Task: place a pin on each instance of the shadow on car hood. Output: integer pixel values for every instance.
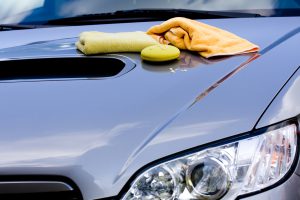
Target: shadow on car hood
(99, 132)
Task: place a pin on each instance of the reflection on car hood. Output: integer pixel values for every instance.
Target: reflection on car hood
(99, 132)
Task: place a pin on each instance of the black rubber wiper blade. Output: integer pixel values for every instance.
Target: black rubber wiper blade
(146, 15)
(9, 27)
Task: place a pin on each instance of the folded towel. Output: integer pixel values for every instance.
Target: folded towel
(98, 42)
(209, 41)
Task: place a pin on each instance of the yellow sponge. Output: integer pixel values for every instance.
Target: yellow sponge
(98, 42)
(160, 53)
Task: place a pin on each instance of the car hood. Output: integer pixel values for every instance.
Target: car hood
(99, 132)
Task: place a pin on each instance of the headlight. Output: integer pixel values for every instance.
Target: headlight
(226, 171)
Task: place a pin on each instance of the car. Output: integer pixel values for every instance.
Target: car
(112, 126)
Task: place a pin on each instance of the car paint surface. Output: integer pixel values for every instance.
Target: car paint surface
(100, 132)
(286, 105)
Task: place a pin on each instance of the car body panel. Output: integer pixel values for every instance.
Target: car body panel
(80, 129)
(286, 105)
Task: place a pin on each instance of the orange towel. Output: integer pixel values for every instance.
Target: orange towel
(192, 35)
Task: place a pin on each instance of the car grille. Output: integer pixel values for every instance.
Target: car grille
(43, 196)
(38, 188)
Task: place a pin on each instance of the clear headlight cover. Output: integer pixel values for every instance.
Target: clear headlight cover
(223, 172)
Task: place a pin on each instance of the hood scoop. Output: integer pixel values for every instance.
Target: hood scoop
(72, 67)
(58, 60)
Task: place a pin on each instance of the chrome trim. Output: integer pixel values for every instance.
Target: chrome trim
(17, 187)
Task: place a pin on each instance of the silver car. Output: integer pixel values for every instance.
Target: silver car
(113, 127)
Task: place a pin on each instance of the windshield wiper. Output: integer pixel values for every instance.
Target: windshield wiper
(146, 15)
(9, 27)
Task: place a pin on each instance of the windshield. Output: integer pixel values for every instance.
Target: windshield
(41, 11)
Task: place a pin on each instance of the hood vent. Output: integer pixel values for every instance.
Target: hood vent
(95, 67)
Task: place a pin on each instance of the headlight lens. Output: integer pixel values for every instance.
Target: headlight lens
(226, 171)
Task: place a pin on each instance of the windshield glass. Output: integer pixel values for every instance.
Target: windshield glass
(40, 11)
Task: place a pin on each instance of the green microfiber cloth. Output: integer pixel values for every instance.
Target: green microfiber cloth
(98, 42)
